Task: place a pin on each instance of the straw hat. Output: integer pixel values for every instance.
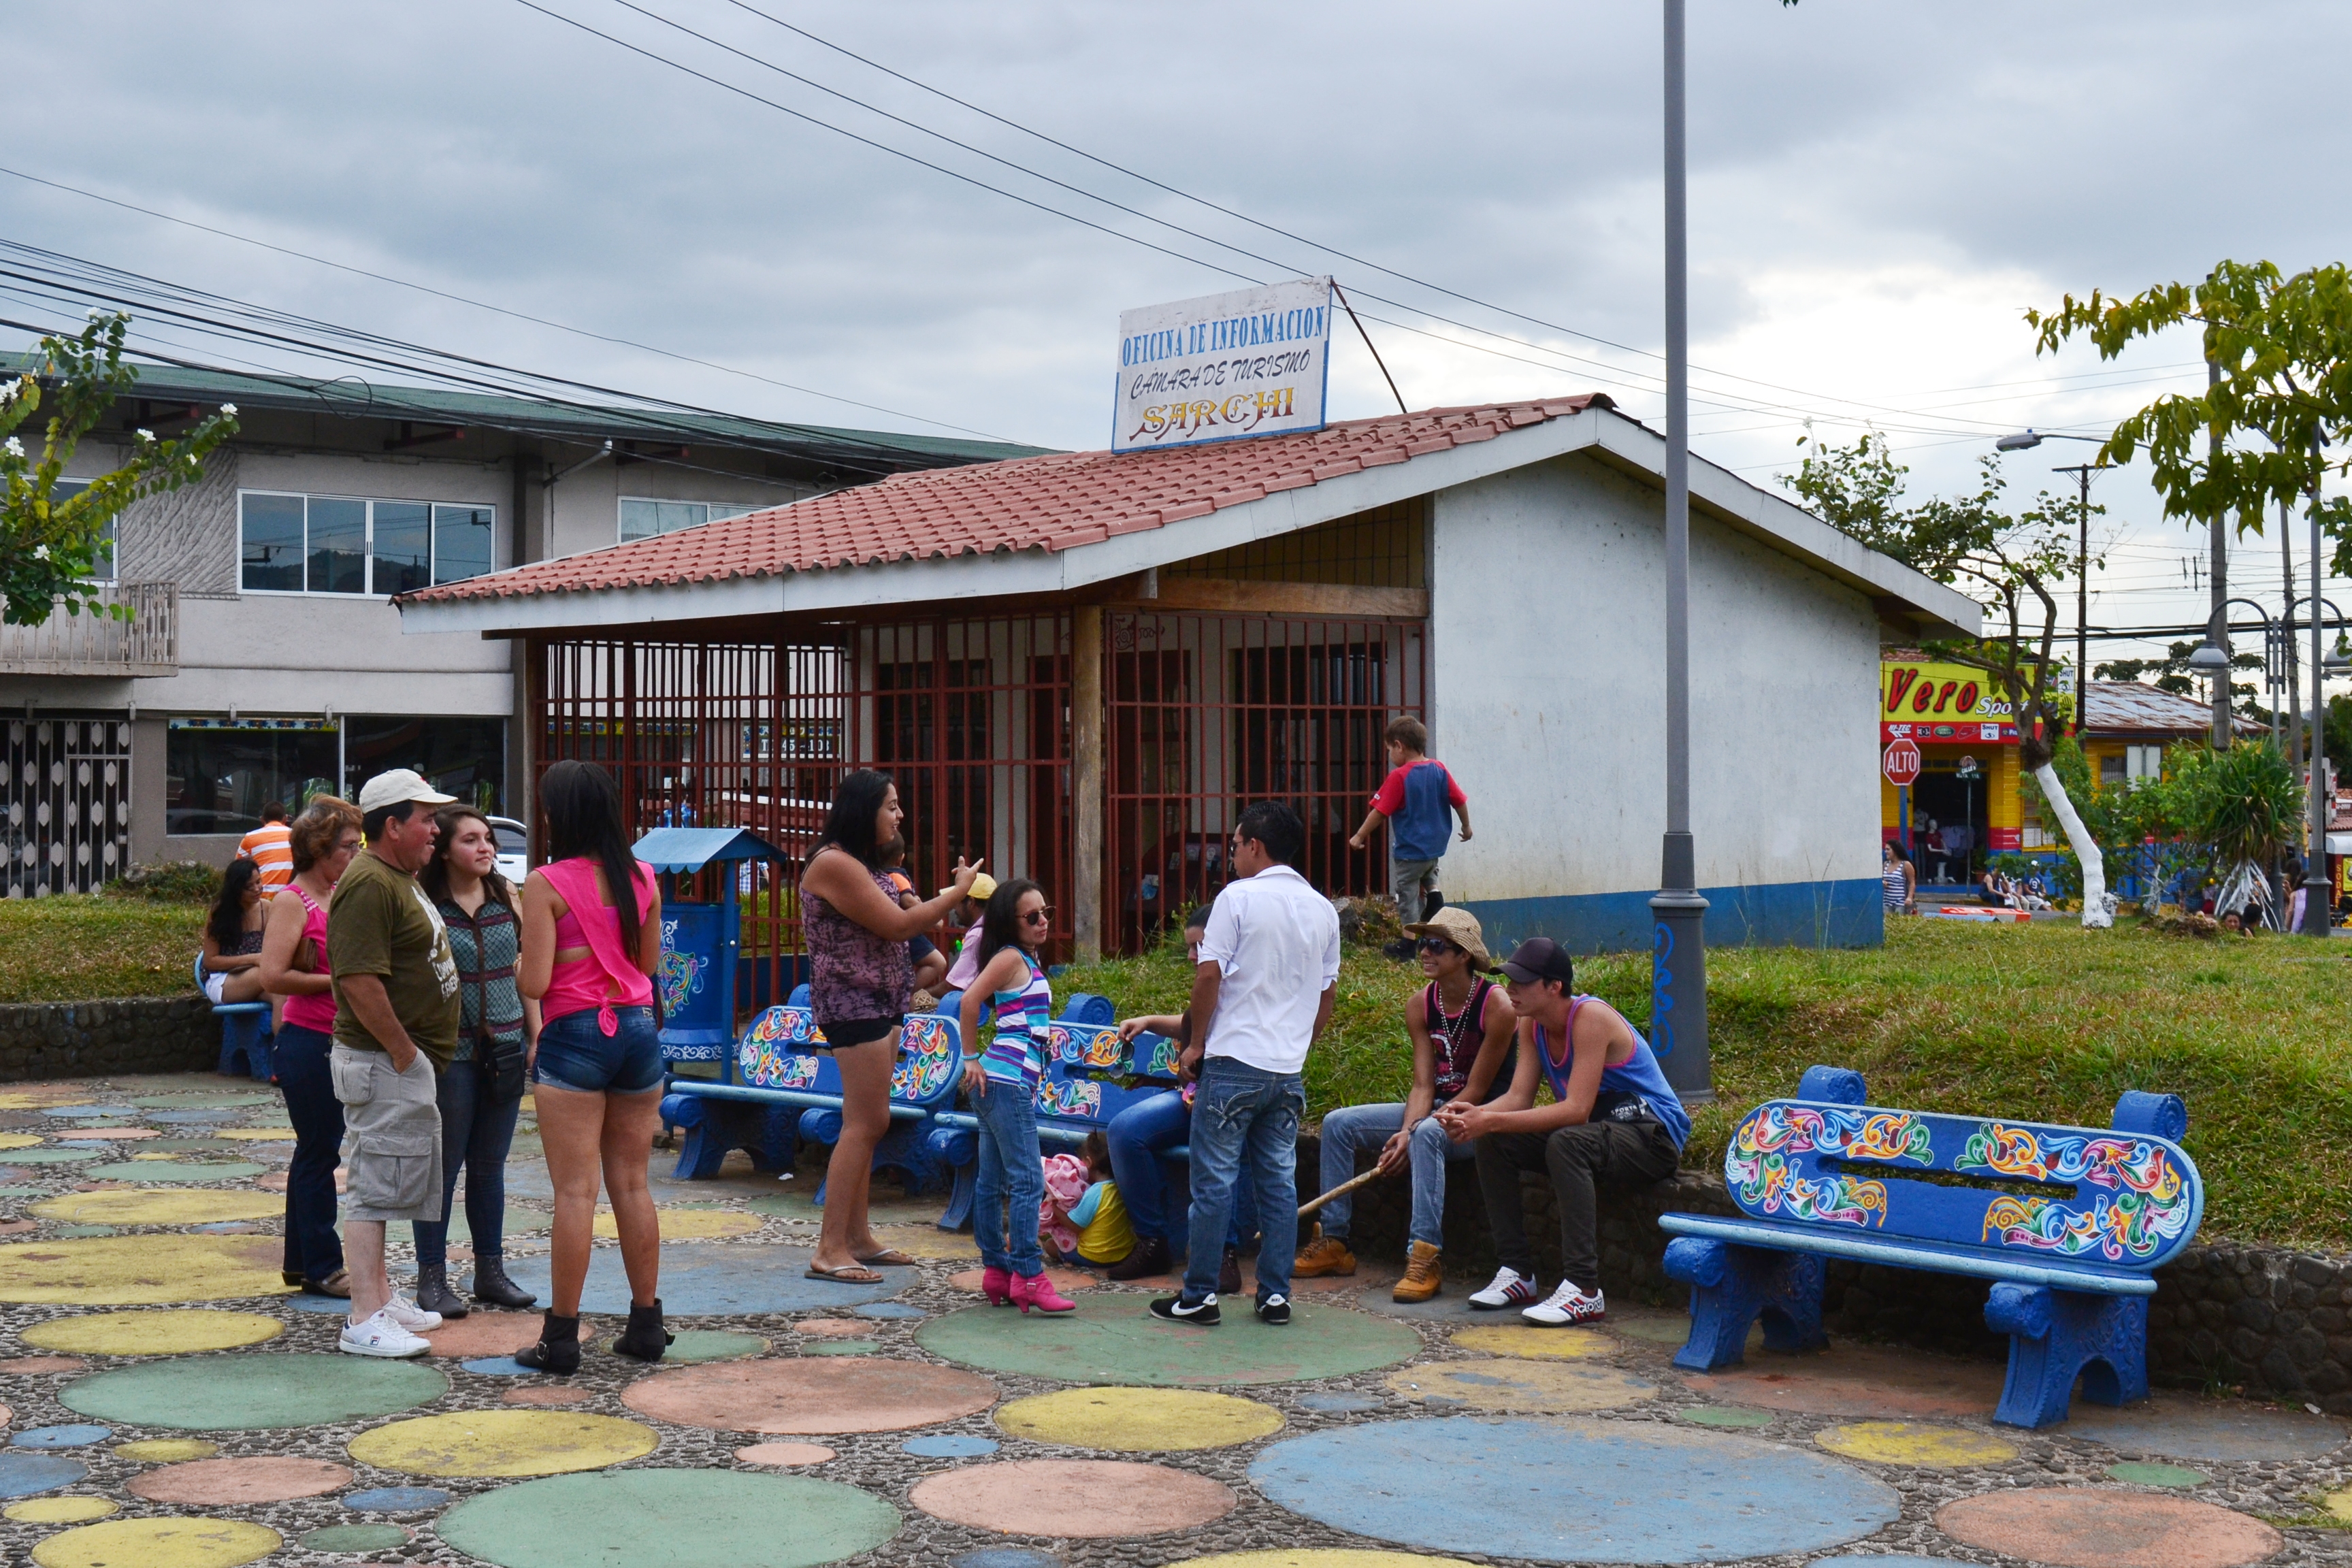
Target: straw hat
(1458, 926)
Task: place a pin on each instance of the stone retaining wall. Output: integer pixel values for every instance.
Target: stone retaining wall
(72, 1039)
(2267, 1321)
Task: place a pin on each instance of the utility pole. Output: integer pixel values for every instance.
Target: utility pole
(2218, 633)
(1678, 950)
(2315, 912)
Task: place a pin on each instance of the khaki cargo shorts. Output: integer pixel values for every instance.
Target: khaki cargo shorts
(391, 1136)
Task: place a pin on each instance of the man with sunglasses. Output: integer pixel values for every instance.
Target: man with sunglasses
(1460, 1024)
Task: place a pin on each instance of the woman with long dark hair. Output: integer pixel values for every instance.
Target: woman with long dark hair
(233, 935)
(294, 965)
(481, 1092)
(859, 978)
(591, 943)
(1002, 1083)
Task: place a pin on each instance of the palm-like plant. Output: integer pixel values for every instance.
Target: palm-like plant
(2243, 804)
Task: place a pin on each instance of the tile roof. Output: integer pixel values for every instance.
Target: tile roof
(1053, 502)
(2128, 705)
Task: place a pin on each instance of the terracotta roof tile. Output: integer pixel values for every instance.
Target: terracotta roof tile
(1056, 501)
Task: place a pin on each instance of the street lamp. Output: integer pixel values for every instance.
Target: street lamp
(2025, 441)
(2211, 660)
(2324, 663)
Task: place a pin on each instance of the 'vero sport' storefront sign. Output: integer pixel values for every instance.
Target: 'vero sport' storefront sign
(1922, 701)
(1256, 362)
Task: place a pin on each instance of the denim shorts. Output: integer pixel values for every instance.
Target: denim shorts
(573, 1053)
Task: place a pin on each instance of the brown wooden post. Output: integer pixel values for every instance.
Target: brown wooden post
(1087, 870)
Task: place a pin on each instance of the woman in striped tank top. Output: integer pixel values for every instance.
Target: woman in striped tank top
(1001, 1081)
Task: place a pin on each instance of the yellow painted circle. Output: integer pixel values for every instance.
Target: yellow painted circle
(1138, 1420)
(1534, 1344)
(504, 1443)
(1915, 1443)
(167, 1450)
(264, 1134)
(2340, 1504)
(143, 1270)
(928, 1241)
(59, 1510)
(690, 1225)
(1320, 1557)
(153, 1333)
(18, 1140)
(159, 1543)
(160, 1206)
(1539, 1387)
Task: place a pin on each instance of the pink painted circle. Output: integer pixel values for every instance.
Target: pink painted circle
(1859, 1381)
(785, 1454)
(837, 1328)
(547, 1394)
(225, 1482)
(1063, 1279)
(36, 1365)
(810, 1398)
(479, 1333)
(2094, 1526)
(1091, 1499)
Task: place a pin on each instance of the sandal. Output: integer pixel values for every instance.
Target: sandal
(338, 1284)
(847, 1273)
(890, 1257)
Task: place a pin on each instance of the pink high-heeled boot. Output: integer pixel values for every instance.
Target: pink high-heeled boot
(996, 1284)
(1037, 1290)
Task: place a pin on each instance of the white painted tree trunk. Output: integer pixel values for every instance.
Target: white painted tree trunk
(2098, 909)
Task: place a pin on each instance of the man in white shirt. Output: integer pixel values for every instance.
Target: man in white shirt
(1269, 968)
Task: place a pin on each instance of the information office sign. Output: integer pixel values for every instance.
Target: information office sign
(1256, 362)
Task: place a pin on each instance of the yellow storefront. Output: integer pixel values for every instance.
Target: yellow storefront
(1966, 805)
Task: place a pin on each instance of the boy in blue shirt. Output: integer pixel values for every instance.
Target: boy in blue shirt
(1418, 799)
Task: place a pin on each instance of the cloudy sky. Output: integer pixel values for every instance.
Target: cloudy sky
(1878, 191)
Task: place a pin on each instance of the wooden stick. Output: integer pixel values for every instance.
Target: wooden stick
(1307, 1208)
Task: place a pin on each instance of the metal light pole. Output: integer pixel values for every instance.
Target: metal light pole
(1678, 950)
(2025, 441)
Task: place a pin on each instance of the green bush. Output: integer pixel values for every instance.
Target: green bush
(169, 882)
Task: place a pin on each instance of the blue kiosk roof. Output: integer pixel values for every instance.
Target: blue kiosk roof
(692, 848)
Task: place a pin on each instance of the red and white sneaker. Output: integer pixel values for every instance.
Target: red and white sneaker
(1566, 1305)
(1510, 1288)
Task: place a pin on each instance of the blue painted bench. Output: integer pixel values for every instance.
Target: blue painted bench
(244, 1032)
(2069, 1221)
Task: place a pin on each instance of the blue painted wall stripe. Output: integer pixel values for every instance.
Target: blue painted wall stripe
(1847, 913)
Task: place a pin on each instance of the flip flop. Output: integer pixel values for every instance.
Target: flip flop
(847, 1273)
(890, 1257)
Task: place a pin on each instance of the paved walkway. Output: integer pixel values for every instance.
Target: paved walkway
(169, 1405)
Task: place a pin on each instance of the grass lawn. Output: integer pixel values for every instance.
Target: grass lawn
(2049, 1023)
(74, 949)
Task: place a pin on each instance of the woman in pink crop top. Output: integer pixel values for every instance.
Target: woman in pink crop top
(592, 935)
(294, 966)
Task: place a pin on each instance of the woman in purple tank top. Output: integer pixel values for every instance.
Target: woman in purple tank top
(858, 981)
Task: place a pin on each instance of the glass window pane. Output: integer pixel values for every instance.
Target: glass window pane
(639, 520)
(463, 541)
(403, 546)
(217, 780)
(677, 514)
(718, 510)
(101, 556)
(338, 546)
(464, 757)
(272, 552)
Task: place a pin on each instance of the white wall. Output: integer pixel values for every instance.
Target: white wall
(586, 505)
(1546, 625)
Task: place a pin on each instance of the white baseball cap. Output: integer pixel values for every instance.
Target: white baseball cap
(399, 785)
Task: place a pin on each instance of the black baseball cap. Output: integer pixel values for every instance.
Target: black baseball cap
(1540, 958)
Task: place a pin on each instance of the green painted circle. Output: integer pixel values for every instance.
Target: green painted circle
(2138, 1474)
(1730, 1416)
(144, 1171)
(689, 1346)
(1112, 1338)
(246, 1393)
(50, 1154)
(201, 1099)
(669, 1518)
(356, 1538)
(839, 1347)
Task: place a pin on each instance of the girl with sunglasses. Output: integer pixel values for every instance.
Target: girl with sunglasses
(1002, 1083)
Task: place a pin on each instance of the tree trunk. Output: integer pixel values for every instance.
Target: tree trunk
(2099, 912)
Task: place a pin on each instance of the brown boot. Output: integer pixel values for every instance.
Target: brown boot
(1323, 1254)
(1423, 1275)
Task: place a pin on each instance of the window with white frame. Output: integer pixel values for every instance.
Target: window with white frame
(643, 517)
(2143, 763)
(102, 557)
(347, 544)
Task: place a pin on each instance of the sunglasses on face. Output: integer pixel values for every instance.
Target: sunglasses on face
(1043, 916)
(1437, 946)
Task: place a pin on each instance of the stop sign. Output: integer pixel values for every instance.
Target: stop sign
(1901, 763)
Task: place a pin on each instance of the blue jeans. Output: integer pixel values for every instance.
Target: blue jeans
(573, 1053)
(476, 1132)
(1010, 1174)
(1368, 1127)
(313, 1250)
(1245, 1115)
(1137, 1136)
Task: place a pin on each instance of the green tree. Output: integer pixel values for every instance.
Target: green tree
(50, 546)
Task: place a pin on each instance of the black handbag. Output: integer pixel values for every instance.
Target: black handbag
(501, 1064)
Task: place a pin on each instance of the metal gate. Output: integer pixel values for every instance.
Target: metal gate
(65, 784)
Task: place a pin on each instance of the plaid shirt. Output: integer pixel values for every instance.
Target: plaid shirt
(489, 945)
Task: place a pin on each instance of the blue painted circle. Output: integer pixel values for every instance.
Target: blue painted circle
(948, 1447)
(1880, 1562)
(1337, 1403)
(188, 1118)
(396, 1500)
(22, 1474)
(706, 1279)
(1006, 1557)
(80, 1112)
(891, 1311)
(305, 1302)
(1573, 1492)
(79, 1436)
(500, 1366)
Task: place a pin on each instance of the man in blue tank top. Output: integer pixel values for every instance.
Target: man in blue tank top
(1614, 1118)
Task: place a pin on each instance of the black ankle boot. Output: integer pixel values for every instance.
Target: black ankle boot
(558, 1350)
(643, 1338)
(1150, 1257)
(491, 1285)
(433, 1292)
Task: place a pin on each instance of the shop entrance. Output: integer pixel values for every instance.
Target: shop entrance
(1953, 851)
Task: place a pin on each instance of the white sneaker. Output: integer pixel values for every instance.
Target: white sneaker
(379, 1335)
(1510, 1288)
(1566, 1305)
(409, 1315)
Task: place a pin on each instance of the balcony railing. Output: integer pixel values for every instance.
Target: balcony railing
(146, 644)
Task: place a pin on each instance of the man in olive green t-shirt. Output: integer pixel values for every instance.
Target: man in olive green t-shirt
(397, 1010)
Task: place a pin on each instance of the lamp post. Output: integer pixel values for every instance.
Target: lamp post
(2316, 922)
(2211, 660)
(1678, 936)
(2025, 441)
